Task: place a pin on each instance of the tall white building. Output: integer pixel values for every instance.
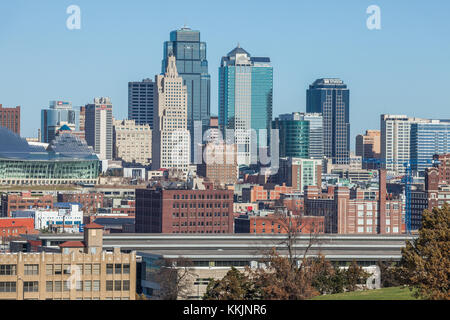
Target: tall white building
(132, 142)
(98, 127)
(171, 139)
(395, 141)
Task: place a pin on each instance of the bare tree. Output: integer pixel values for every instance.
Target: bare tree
(174, 278)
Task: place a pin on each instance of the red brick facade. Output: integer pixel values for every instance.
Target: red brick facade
(184, 211)
(10, 118)
(24, 201)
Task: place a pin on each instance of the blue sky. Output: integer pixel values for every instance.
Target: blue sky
(403, 68)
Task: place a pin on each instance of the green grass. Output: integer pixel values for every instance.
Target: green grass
(394, 293)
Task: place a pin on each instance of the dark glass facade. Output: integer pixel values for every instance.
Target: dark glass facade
(141, 101)
(331, 97)
(294, 136)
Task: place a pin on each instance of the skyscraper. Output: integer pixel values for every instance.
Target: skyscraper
(99, 127)
(10, 118)
(294, 135)
(315, 134)
(171, 139)
(245, 101)
(141, 101)
(192, 66)
(58, 114)
(428, 139)
(332, 98)
(395, 141)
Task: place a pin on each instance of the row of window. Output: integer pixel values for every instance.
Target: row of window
(201, 196)
(200, 205)
(199, 214)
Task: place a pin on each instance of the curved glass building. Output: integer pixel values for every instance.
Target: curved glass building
(294, 135)
(67, 160)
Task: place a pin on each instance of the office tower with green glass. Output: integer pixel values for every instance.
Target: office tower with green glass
(245, 102)
(192, 66)
(294, 135)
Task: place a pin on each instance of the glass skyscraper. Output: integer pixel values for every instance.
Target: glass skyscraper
(192, 66)
(428, 139)
(245, 101)
(141, 101)
(59, 113)
(331, 98)
(293, 134)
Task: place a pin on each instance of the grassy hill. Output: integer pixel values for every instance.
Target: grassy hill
(394, 293)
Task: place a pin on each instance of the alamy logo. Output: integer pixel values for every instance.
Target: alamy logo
(74, 20)
(374, 20)
(75, 277)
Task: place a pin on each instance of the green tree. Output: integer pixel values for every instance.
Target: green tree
(425, 263)
(354, 276)
(235, 285)
(389, 274)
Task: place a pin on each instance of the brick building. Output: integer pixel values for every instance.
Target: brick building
(434, 193)
(265, 192)
(24, 201)
(13, 227)
(272, 223)
(219, 163)
(10, 118)
(90, 201)
(360, 211)
(184, 211)
(299, 173)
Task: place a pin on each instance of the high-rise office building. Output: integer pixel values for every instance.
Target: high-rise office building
(395, 141)
(58, 114)
(99, 127)
(141, 101)
(315, 134)
(10, 118)
(245, 102)
(293, 134)
(368, 147)
(82, 117)
(331, 98)
(428, 139)
(132, 142)
(171, 139)
(192, 66)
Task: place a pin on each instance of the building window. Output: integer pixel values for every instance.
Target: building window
(31, 269)
(31, 286)
(7, 287)
(109, 285)
(79, 285)
(96, 285)
(126, 285)
(126, 269)
(58, 286)
(117, 285)
(67, 285)
(88, 269)
(118, 268)
(66, 269)
(109, 268)
(96, 269)
(8, 270)
(58, 268)
(49, 286)
(88, 285)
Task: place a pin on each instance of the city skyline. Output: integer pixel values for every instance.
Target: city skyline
(370, 62)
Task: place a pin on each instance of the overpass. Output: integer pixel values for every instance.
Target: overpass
(366, 249)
